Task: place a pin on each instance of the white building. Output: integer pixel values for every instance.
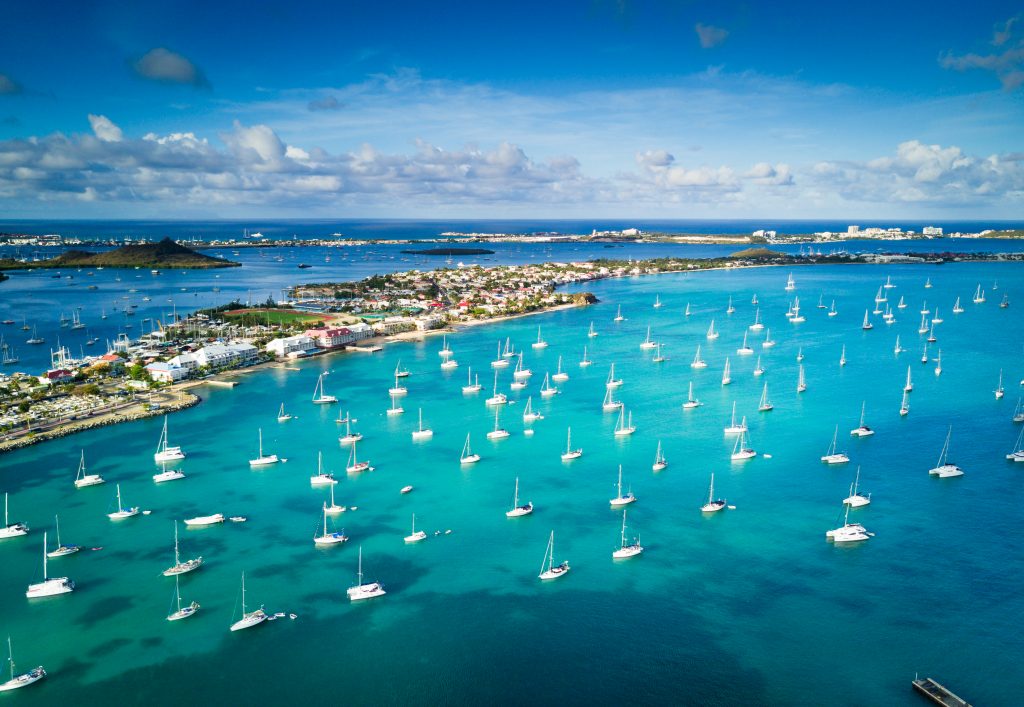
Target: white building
(931, 231)
(293, 346)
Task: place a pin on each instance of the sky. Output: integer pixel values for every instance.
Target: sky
(598, 108)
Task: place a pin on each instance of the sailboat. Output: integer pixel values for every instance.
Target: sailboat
(740, 452)
(121, 511)
(901, 304)
(591, 332)
(691, 402)
(726, 378)
(647, 344)
(498, 432)
(797, 318)
(979, 295)
(321, 478)
(553, 571)
(905, 405)
(539, 343)
(529, 415)
(712, 334)
(937, 319)
(931, 335)
(517, 511)
(320, 395)
(449, 363)
(1017, 455)
(713, 505)
(799, 354)
(445, 352)
(657, 302)
(610, 404)
(729, 308)
(83, 479)
(415, 536)
(612, 381)
(618, 315)
(944, 468)
(928, 283)
(842, 356)
(395, 408)
(1003, 304)
(832, 311)
(658, 357)
(326, 538)
(833, 456)
(361, 591)
(957, 307)
(261, 458)
(180, 567)
(422, 432)
(9, 529)
(35, 338)
(584, 362)
(546, 389)
(897, 349)
(50, 586)
(182, 612)
(620, 499)
(560, 376)
(909, 385)
(570, 453)
(745, 350)
(355, 466)
(686, 312)
(733, 428)
(467, 456)
(660, 462)
(398, 390)
(509, 351)
(520, 371)
(496, 397)
(938, 363)
(399, 371)
(167, 474)
(758, 368)
(500, 361)
(790, 283)
(765, 405)
(848, 532)
(757, 325)
(862, 430)
(349, 437)
(624, 427)
(698, 362)
(333, 508)
(856, 499)
(471, 386)
(23, 680)
(249, 619)
(282, 416)
(867, 322)
(626, 551)
(61, 550)
(164, 451)
(821, 301)
(999, 386)
(801, 384)
(1018, 413)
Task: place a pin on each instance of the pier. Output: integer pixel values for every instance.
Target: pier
(939, 694)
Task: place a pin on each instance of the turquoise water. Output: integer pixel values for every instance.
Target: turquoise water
(748, 606)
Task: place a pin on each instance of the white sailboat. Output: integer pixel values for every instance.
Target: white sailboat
(862, 430)
(901, 304)
(251, 618)
(122, 512)
(333, 508)
(397, 390)
(832, 311)
(625, 550)
(734, 428)
(321, 478)
(50, 586)
(713, 505)
(624, 427)
(167, 474)
(282, 416)
(399, 371)
(897, 349)
(999, 386)
(422, 433)
(591, 332)
(354, 466)
(620, 499)
(500, 361)
(938, 363)
(741, 452)
(848, 532)
(979, 295)
(937, 319)
(726, 378)
(570, 453)
(414, 535)
(698, 362)
(395, 408)
(686, 312)
(618, 315)
(584, 362)
(521, 372)
(797, 318)
(509, 351)
(944, 468)
(498, 432)
(445, 352)
(758, 368)
(765, 405)
(957, 307)
(1017, 455)
(660, 462)
(497, 398)
(561, 376)
(691, 402)
(82, 479)
(467, 456)
(539, 343)
(842, 356)
(471, 386)
(905, 405)
(546, 389)
(757, 325)
(1018, 412)
(329, 538)
(261, 458)
(712, 334)
(657, 302)
(801, 383)
(61, 550)
(320, 396)
(867, 322)
(517, 511)
(609, 404)
(745, 350)
(529, 414)
(923, 327)
(928, 283)
(349, 437)
(647, 344)
(24, 679)
(833, 456)
(612, 381)
(164, 451)
(449, 363)
(799, 354)
(790, 283)
(553, 571)
(182, 612)
(856, 499)
(180, 567)
(360, 591)
(909, 385)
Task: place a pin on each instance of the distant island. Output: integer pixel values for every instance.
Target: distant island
(449, 251)
(165, 254)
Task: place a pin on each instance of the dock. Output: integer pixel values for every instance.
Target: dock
(366, 349)
(939, 694)
(222, 384)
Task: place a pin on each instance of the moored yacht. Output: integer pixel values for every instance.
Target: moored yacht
(360, 591)
(848, 532)
(24, 679)
(517, 510)
(570, 453)
(321, 478)
(121, 511)
(61, 550)
(691, 402)
(856, 499)
(180, 567)
(660, 462)
(627, 550)
(329, 537)
(251, 618)
(713, 505)
(82, 479)
(320, 396)
(944, 468)
(168, 474)
(50, 586)
(164, 451)
(553, 571)
(414, 535)
(422, 433)
(262, 459)
(833, 456)
(862, 430)
(620, 499)
(467, 456)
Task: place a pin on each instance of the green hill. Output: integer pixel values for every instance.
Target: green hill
(163, 255)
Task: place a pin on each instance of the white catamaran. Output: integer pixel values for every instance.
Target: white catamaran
(361, 591)
(50, 586)
(164, 451)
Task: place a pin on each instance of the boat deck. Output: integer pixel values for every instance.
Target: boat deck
(938, 694)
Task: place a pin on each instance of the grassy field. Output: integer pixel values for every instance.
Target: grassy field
(274, 316)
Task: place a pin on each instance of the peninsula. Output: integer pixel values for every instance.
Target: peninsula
(165, 254)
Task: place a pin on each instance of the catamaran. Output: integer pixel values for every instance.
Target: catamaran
(121, 511)
(50, 586)
(399, 371)
(726, 378)
(944, 468)
(584, 362)
(529, 415)
(320, 395)
(164, 451)
(498, 432)
(801, 383)
(647, 344)
(546, 389)
(733, 428)
(539, 343)
(660, 462)
(569, 454)
(24, 679)
(282, 416)
(361, 591)
(862, 430)
(180, 567)
(61, 550)
(422, 432)
(620, 499)
(415, 536)
(355, 466)
(321, 478)
(261, 458)
(624, 427)
(560, 376)
(833, 456)
(471, 386)
(999, 386)
(517, 511)
(182, 612)
(712, 334)
(167, 474)
(627, 550)
(553, 571)
(520, 371)
(856, 499)
(713, 505)
(467, 456)
(496, 397)
(249, 619)
(745, 350)
(612, 381)
(329, 538)
(848, 532)
(698, 362)
(83, 479)
(500, 361)
(765, 405)
(740, 452)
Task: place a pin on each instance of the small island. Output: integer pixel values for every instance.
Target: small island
(449, 251)
(165, 254)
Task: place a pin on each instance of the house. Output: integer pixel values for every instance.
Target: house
(292, 346)
(166, 373)
(329, 338)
